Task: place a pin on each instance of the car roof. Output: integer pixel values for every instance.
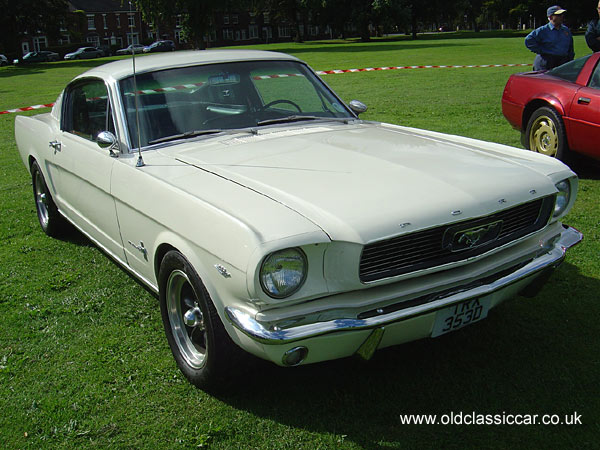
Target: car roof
(123, 68)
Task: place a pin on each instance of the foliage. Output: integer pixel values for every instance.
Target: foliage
(29, 16)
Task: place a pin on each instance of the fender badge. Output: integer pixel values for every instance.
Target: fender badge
(222, 270)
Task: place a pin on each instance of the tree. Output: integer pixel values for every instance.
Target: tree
(197, 15)
(32, 17)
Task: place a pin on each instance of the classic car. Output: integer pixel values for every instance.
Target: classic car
(133, 48)
(85, 53)
(268, 217)
(37, 57)
(558, 111)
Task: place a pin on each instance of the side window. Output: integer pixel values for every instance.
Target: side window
(87, 110)
(595, 79)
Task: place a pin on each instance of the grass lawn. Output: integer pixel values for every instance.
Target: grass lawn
(84, 361)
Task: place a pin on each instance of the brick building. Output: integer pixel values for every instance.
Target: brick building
(110, 24)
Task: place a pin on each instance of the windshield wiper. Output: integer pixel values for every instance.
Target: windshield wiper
(297, 118)
(186, 135)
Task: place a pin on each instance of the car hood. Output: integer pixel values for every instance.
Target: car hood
(367, 181)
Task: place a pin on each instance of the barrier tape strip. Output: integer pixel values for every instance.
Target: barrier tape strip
(264, 77)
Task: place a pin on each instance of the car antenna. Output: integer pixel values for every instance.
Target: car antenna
(140, 161)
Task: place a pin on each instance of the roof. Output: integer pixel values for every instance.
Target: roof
(146, 63)
(99, 6)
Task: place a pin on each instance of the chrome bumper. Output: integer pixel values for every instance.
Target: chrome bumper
(257, 331)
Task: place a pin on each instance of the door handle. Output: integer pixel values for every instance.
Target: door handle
(55, 145)
(584, 100)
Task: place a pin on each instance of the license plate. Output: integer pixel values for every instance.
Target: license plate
(460, 315)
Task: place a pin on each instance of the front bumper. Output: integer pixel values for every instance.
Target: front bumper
(508, 283)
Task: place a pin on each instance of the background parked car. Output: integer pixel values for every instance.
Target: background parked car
(37, 57)
(133, 48)
(160, 46)
(85, 53)
(557, 112)
(3, 60)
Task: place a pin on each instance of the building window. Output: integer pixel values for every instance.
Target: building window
(94, 41)
(179, 36)
(131, 22)
(64, 39)
(235, 19)
(252, 17)
(253, 32)
(91, 22)
(118, 16)
(313, 30)
(150, 35)
(284, 31)
(225, 20)
(178, 21)
(244, 36)
(267, 33)
(237, 35)
(133, 38)
(104, 21)
(40, 43)
(266, 18)
(228, 34)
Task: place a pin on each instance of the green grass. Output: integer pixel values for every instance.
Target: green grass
(84, 362)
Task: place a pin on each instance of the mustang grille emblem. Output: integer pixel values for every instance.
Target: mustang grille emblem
(475, 237)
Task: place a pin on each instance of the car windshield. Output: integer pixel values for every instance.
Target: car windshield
(184, 102)
(569, 71)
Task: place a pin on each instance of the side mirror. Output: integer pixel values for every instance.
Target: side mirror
(357, 107)
(106, 139)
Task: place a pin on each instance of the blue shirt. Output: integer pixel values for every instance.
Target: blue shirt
(551, 40)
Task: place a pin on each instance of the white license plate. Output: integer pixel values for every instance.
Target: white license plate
(460, 315)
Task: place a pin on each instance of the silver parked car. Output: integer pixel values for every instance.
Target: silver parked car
(133, 48)
(85, 53)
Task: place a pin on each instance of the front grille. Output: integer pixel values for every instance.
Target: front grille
(434, 247)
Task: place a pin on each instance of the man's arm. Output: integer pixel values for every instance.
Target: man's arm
(531, 41)
(592, 38)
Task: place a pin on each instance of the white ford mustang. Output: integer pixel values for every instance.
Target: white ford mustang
(269, 217)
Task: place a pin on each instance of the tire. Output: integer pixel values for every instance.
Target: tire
(52, 223)
(202, 349)
(546, 134)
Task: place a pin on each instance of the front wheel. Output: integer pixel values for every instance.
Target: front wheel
(202, 349)
(546, 133)
(51, 221)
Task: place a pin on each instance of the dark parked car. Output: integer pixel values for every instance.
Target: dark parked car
(85, 53)
(558, 111)
(3, 60)
(160, 46)
(37, 57)
(133, 48)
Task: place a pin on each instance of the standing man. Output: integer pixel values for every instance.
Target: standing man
(592, 35)
(552, 42)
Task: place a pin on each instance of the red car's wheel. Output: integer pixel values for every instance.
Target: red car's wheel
(546, 133)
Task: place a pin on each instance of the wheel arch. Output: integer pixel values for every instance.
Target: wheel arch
(537, 103)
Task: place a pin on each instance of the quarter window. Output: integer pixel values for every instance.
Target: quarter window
(87, 110)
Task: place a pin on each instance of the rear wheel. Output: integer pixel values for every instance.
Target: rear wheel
(51, 221)
(202, 349)
(546, 133)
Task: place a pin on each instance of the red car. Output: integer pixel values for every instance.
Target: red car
(557, 112)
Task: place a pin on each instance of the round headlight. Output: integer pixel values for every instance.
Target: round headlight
(283, 272)
(562, 198)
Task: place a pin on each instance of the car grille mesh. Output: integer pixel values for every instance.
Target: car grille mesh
(429, 248)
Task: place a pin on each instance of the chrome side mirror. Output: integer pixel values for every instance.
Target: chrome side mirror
(357, 107)
(106, 139)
